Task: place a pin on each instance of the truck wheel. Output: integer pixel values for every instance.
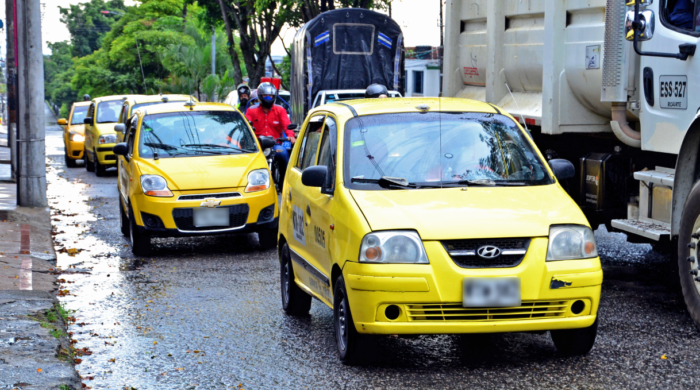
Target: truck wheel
(574, 342)
(140, 243)
(267, 238)
(100, 169)
(89, 166)
(688, 253)
(294, 300)
(70, 163)
(347, 340)
(123, 220)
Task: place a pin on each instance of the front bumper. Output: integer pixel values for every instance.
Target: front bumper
(105, 155)
(427, 298)
(75, 149)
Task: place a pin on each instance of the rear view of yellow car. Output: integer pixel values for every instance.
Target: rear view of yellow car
(74, 133)
(135, 102)
(193, 169)
(434, 216)
(100, 136)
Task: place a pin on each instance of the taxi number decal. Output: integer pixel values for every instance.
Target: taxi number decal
(298, 223)
(320, 237)
(319, 288)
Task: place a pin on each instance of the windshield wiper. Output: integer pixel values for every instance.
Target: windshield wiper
(161, 146)
(386, 182)
(483, 183)
(218, 147)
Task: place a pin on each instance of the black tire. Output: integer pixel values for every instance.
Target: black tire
(294, 300)
(123, 220)
(267, 239)
(140, 243)
(575, 342)
(100, 169)
(89, 166)
(690, 287)
(277, 175)
(347, 340)
(70, 163)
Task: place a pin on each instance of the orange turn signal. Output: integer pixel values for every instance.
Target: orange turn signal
(162, 193)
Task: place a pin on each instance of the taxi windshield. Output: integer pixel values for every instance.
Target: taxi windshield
(137, 106)
(79, 113)
(108, 112)
(414, 150)
(195, 133)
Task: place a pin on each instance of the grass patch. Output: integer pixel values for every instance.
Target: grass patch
(57, 333)
(64, 387)
(66, 314)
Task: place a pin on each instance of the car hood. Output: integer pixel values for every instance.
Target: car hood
(105, 128)
(204, 172)
(477, 212)
(80, 129)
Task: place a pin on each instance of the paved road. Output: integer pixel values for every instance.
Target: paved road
(204, 313)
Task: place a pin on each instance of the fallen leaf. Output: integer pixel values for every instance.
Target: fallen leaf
(38, 370)
(155, 342)
(664, 357)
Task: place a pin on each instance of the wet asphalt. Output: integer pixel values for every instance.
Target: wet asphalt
(205, 313)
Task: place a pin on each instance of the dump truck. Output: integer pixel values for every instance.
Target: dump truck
(607, 85)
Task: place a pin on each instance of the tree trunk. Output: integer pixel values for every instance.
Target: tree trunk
(237, 73)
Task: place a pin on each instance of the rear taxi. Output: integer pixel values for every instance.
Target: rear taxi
(74, 133)
(193, 169)
(434, 216)
(100, 136)
(134, 103)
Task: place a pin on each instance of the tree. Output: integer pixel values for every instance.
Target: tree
(88, 25)
(309, 9)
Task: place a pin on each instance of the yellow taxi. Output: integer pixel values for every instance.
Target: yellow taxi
(100, 136)
(434, 216)
(134, 103)
(194, 169)
(74, 133)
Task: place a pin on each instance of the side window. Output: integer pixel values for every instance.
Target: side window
(91, 111)
(131, 125)
(123, 114)
(682, 14)
(327, 150)
(309, 145)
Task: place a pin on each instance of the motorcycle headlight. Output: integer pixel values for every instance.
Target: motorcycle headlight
(153, 185)
(258, 180)
(569, 242)
(107, 139)
(77, 137)
(392, 247)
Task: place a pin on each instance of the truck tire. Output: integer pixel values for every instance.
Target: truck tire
(295, 301)
(688, 253)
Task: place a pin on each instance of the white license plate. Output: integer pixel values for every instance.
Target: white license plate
(205, 216)
(673, 92)
(491, 292)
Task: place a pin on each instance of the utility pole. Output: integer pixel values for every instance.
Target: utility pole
(441, 49)
(31, 178)
(11, 70)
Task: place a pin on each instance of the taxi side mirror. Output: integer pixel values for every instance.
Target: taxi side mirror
(293, 126)
(120, 128)
(120, 149)
(563, 169)
(267, 142)
(314, 176)
(62, 122)
(87, 120)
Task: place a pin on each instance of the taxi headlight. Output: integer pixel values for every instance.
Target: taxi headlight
(107, 139)
(392, 247)
(153, 185)
(568, 242)
(258, 180)
(77, 137)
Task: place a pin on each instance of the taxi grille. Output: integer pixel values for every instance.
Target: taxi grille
(528, 310)
(221, 195)
(237, 217)
(464, 252)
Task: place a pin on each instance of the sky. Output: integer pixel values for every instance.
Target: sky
(418, 20)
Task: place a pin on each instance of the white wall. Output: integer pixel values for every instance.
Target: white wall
(431, 78)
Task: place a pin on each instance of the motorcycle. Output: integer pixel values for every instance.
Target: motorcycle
(273, 162)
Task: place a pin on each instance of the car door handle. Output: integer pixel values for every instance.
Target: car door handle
(308, 211)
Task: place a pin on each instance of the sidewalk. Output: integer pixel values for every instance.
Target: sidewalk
(29, 352)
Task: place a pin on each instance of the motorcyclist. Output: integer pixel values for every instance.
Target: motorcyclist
(376, 91)
(86, 98)
(271, 120)
(243, 98)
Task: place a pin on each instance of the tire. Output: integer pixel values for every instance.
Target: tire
(124, 221)
(100, 169)
(89, 166)
(295, 301)
(267, 239)
(70, 163)
(277, 175)
(575, 342)
(690, 225)
(347, 340)
(140, 243)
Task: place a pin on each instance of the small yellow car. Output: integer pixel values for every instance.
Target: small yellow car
(136, 102)
(194, 169)
(74, 133)
(100, 136)
(434, 216)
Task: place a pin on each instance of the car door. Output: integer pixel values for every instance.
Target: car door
(306, 266)
(89, 128)
(126, 170)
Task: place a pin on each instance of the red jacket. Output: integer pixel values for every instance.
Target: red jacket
(271, 124)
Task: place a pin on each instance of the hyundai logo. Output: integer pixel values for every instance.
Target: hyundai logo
(488, 252)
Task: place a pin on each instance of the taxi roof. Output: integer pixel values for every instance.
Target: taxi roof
(82, 103)
(166, 108)
(114, 97)
(397, 105)
(138, 99)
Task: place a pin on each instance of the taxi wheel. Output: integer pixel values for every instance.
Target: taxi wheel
(267, 239)
(573, 342)
(124, 221)
(140, 243)
(294, 300)
(89, 166)
(347, 339)
(70, 163)
(100, 169)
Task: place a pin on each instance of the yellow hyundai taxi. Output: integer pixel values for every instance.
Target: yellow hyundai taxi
(74, 133)
(100, 136)
(134, 103)
(434, 216)
(194, 169)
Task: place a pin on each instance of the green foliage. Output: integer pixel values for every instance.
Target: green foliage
(87, 25)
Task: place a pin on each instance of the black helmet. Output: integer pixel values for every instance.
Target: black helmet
(86, 97)
(243, 89)
(267, 93)
(375, 90)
